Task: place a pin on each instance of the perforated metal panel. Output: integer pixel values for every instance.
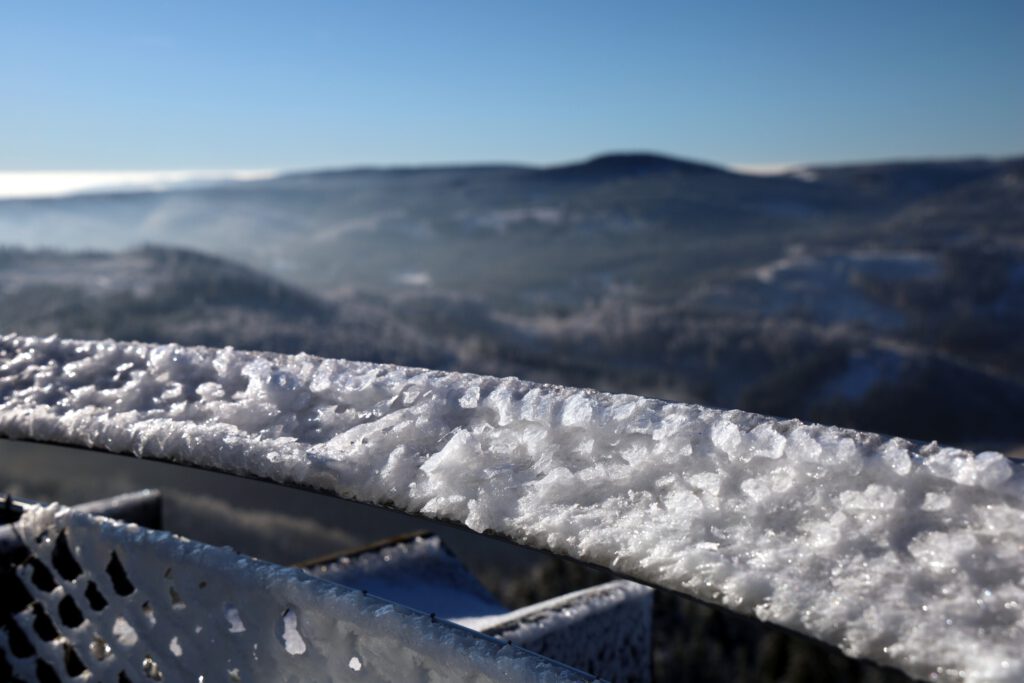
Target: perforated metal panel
(114, 602)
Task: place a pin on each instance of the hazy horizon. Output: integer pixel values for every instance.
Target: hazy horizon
(47, 183)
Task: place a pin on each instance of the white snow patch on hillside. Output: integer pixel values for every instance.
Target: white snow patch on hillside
(906, 555)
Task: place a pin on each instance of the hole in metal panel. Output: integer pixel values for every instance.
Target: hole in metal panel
(63, 560)
(20, 645)
(42, 624)
(14, 597)
(289, 635)
(176, 601)
(41, 576)
(147, 611)
(6, 673)
(124, 632)
(45, 673)
(118, 576)
(72, 662)
(69, 613)
(234, 618)
(96, 600)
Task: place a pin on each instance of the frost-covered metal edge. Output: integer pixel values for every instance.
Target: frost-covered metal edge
(143, 507)
(904, 554)
(604, 629)
(122, 602)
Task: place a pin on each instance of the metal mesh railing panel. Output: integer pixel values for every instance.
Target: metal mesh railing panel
(115, 602)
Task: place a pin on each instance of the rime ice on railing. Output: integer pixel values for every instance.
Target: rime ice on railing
(906, 555)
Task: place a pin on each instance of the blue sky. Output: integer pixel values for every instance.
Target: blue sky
(167, 85)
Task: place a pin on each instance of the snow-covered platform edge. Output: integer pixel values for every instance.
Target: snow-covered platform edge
(907, 555)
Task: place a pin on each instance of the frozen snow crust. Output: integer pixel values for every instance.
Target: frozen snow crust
(911, 556)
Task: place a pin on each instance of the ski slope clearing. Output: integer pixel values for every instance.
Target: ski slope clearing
(907, 555)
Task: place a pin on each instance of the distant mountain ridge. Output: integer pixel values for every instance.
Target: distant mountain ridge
(522, 234)
(879, 296)
(639, 191)
(611, 164)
